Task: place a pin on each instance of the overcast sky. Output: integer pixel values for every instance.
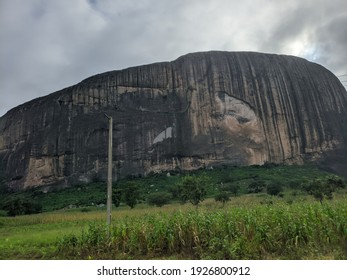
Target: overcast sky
(46, 45)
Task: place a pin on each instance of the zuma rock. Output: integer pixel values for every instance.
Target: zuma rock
(203, 109)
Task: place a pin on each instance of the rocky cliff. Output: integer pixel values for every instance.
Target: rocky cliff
(202, 109)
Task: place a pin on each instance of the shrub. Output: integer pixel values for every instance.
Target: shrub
(19, 206)
(192, 189)
(335, 182)
(3, 213)
(256, 186)
(324, 188)
(131, 195)
(116, 197)
(234, 188)
(294, 184)
(270, 165)
(274, 188)
(159, 199)
(174, 190)
(222, 197)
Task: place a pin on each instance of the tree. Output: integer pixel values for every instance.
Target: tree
(131, 195)
(174, 190)
(159, 199)
(234, 188)
(274, 188)
(324, 188)
(192, 189)
(20, 206)
(222, 197)
(335, 181)
(256, 186)
(3, 187)
(318, 189)
(116, 197)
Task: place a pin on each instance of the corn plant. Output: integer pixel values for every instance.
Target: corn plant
(279, 231)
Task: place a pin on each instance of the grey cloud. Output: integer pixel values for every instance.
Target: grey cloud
(48, 45)
(319, 26)
(331, 39)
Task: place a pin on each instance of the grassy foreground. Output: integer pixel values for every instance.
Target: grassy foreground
(248, 227)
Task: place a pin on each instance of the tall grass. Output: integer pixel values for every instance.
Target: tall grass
(35, 236)
(305, 230)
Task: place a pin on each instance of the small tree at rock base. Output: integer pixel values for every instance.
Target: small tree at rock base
(131, 195)
(159, 199)
(19, 206)
(192, 189)
(274, 188)
(324, 188)
(116, 197)
(256, 186)
(234, 189)
(223, 197)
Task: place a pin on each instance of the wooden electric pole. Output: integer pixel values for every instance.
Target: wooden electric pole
(109, 171)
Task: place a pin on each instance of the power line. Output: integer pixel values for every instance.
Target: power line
(342, 75)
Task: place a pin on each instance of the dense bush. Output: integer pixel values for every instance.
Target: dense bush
(256, 186)
(234, 188)
(21, 206)
(274, 188)
(116, 197)
(131, 194)
(3, 187)
(159, 199)
(192, 189)
(324, 187)
(223, 197)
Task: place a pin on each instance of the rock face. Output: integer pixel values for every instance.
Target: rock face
(202, 109)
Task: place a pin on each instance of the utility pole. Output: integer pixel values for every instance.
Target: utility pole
(109, 171)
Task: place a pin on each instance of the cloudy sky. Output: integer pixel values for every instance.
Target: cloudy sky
(46, 45)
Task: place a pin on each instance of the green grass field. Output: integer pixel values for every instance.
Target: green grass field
(290, 225)
(248, 227)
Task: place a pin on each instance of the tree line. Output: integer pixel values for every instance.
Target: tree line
(187, 188)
